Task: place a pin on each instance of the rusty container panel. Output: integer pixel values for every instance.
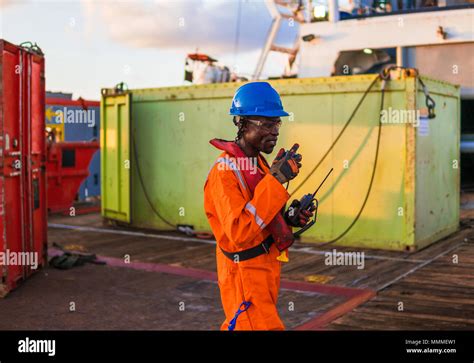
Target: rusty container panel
(23, 233)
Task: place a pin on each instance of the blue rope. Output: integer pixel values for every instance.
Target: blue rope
(246, 305)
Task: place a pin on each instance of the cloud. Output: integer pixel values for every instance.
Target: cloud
(5, 3)
(210, 26)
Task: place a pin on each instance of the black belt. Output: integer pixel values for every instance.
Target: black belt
(258, 250)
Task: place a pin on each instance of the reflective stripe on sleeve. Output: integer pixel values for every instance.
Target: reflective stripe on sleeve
(252, 210)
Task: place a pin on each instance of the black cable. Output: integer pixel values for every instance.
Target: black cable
(338, 136)
(371, 178)
(135, 154)
(384, 75)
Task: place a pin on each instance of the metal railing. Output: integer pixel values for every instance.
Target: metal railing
(370, 8)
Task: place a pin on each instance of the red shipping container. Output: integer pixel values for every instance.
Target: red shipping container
(23, 224)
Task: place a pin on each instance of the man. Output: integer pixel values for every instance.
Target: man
(243, 203)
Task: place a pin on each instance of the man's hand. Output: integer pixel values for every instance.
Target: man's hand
(298, 218)
(285, 168)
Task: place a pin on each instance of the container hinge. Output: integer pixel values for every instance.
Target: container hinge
(430, 103)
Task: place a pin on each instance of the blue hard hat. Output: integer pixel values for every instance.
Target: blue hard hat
(257, 99)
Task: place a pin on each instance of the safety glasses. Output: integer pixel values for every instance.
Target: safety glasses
(266, 125)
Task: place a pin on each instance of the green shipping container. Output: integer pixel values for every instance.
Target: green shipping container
(156, 156)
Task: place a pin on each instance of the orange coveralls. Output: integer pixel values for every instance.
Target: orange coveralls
(237, 221)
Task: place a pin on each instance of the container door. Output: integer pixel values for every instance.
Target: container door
(36, 172)
(12, 182)
(115, 156)
(23, 231)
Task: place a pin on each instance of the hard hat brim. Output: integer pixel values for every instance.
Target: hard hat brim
(269, 113)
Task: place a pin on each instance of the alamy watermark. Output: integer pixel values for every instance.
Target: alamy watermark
(12, 258)
(334, 258)
(75, 116)
(398, 116)
(240, 163)
(28, 345)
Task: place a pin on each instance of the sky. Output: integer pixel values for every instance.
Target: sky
(90, 45)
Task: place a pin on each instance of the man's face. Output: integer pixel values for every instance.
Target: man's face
(262, 133)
